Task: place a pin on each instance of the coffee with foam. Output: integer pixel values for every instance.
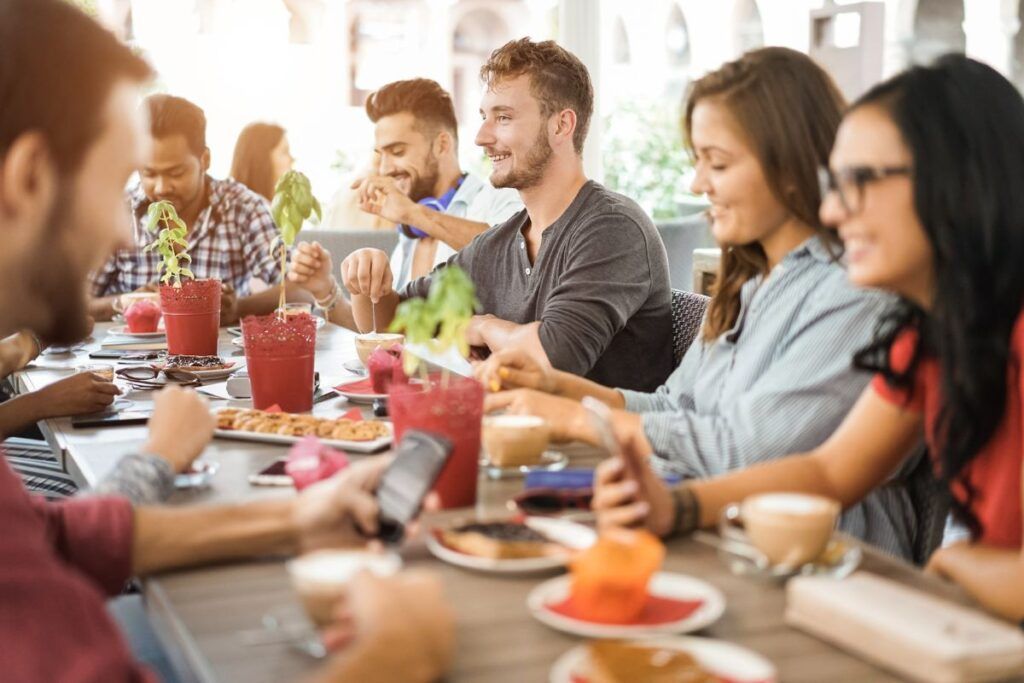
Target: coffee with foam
(321, 578)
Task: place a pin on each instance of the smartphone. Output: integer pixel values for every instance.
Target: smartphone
(419, 459)
(109, 353)
(600, 418)
(272, 475)
(110, 419)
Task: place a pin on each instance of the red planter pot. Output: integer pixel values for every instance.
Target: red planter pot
(191, 317)
(454, 412)
(279, 354)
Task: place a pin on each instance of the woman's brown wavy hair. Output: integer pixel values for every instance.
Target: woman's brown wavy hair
(788, 108)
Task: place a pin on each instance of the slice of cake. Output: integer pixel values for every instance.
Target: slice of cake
(612, 661)
(498, 540)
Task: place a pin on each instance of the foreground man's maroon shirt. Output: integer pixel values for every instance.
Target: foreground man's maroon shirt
(57, 561)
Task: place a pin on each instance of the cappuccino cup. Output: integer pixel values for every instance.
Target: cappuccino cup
(790, 529)
(515, 440)
(321, 578)
(371, 341)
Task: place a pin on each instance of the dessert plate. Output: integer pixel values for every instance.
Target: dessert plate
(572, 535)
(723, 659)
(664, 586)
(219, 373)
(360, 390)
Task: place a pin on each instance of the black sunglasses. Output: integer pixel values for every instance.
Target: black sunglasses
(146, 377)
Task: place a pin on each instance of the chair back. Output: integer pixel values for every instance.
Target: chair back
(341, 243)
(687, 314)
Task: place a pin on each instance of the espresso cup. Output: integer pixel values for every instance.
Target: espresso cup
(321, 578)
(790, 529)
(515, 440)
(371, 341)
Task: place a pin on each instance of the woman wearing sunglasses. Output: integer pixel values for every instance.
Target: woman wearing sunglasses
(771, 371)
(925, 179)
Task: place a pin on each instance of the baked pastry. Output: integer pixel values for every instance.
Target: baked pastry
(611, 661)
(193, 363)
(499, 540)
(290, 424)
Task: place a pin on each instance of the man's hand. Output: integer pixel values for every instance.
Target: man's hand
(180, 427)
(79, 394)
(342, 510)
(367, 272)
(513, 368)
(382, 196)
(391, 629)
(228, 305)
(310, 268)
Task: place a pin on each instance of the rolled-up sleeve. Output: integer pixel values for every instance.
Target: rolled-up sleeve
(606, 279)
(793, 407)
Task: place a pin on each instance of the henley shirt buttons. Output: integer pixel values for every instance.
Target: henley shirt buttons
(527, 271)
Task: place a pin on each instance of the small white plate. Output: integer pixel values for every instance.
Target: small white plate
(123, 331)
(550, 461)
(663, 584)
(572, 535)
(350, 446)
(718, 657)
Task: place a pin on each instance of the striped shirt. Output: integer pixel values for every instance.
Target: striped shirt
(232, 240)
(779, 382)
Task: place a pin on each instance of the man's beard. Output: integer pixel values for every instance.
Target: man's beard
(425, 183)
(54, 289)
(536, 162)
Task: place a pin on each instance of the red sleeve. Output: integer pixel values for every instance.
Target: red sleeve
(901, 353)
(56, 560)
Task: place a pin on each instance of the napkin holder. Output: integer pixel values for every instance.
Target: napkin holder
(915, 634)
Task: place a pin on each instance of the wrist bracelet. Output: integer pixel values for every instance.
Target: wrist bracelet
(331, 300)
(37, 341)
(686, 516)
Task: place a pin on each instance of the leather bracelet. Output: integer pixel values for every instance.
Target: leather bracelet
(686, 514)
(331, 300)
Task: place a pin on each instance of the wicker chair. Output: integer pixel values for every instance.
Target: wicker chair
(687, 314)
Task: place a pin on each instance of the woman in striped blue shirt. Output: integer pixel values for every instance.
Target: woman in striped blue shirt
(925, 187)
(771, 371)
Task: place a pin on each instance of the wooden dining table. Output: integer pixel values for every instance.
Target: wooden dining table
(214, 621)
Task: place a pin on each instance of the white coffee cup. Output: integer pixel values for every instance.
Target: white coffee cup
(321, 578)
(371, 341)
(791, 529)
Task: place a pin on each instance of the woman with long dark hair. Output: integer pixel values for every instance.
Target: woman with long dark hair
(924, 185)
(770, 372)
(262, 156)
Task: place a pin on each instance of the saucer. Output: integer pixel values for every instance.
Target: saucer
(123, 331)
(286, 626)
(550, 461)
(838, 560)
(355, 366)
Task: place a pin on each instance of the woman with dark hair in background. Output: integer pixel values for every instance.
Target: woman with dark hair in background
(924, 186)
(771, 371)
(262, 156)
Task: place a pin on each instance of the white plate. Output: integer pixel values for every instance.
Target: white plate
(352, 446)
(570, 534)
(219, 373)
(717, 656)
(664, 584)
(123, 331)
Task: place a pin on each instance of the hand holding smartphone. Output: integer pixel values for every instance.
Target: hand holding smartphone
(419, 459)
(601, 420)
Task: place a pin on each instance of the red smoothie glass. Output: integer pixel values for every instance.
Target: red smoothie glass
(279, 353)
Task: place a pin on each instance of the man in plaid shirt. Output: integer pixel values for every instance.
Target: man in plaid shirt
(231, 231)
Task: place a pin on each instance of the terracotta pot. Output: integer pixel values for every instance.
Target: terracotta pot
(191, 317)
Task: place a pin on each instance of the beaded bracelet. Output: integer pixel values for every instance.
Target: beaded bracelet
(686, 514)
(331, 300)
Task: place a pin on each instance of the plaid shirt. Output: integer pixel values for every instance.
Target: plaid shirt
(231, 240)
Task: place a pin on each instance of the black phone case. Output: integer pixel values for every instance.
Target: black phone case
(107, 420)
(419, 459)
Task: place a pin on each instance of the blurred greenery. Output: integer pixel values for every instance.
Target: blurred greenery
(87, 6)
(644, 157)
